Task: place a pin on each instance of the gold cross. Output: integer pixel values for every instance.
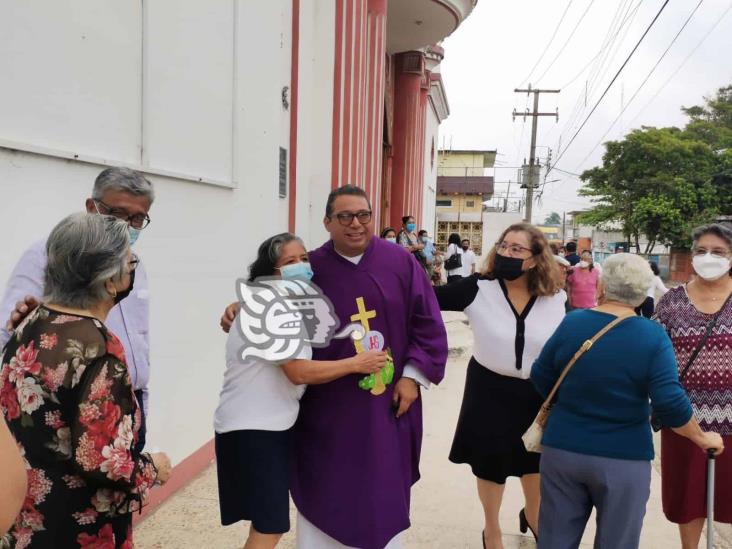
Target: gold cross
(363, 315)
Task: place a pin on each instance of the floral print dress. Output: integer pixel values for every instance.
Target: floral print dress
(67, 397)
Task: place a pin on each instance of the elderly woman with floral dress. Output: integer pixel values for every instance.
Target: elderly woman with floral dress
(67, 396)
(705, 370)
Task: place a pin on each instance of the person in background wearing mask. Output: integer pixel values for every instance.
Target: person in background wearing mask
(469, 260)
(454, 247)
(258, 406)
(657, 288)
(429, 251)
(705, 371)
(408, 239)
(127, 195)
(514, 305)
(389, 234)
(584, 282)
(571, 253)
(564, 270)
(431, 255)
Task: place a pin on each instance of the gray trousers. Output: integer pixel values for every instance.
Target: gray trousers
(572, 484)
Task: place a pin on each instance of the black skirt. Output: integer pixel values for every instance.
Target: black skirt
(496, 411)
(254, 478)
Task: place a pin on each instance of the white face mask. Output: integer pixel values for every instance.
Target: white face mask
(584, 264)
(392, 239)
(710, 267)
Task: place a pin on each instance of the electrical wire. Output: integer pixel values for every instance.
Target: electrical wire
(645, 80)
(569, 39)
(546, 48)
(598, 72)
(683, 63)
(617, 74)
(620, 19)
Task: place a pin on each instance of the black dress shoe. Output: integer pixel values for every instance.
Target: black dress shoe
(524, 524)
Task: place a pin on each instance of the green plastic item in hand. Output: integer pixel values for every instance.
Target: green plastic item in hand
(368, 382)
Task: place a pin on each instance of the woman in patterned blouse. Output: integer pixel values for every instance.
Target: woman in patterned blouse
(67, 396)
(686, 312)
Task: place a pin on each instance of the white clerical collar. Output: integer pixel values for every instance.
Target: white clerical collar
(355, 260)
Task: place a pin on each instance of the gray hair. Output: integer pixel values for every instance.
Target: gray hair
(626, 278)
(84, 252)
(268, 254)
(125, 180)
(717, 229)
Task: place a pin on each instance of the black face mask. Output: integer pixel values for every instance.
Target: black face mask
(508, 268)
(465, 248)
(121, 294)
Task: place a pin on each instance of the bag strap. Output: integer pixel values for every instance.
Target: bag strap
(710, 326)
(586, 346)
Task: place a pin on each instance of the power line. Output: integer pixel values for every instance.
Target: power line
(599, 70)
(566, 42)
(546, 48)
(686, 59)
(637, 91)
(607, 89)
(608, 44)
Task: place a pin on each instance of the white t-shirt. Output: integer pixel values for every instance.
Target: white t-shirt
(468, 262)
(453, 249)
(657, 287)
(256, 393)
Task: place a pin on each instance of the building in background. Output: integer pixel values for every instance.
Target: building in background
(244, 131)
(462, 187)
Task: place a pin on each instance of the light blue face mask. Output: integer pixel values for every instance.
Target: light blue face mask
(411, 227)
(300, 270)
(134, 234)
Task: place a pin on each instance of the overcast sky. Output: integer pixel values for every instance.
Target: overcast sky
(494, 50)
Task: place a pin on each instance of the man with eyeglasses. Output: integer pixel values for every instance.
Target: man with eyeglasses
(357, 439)
(127, 195)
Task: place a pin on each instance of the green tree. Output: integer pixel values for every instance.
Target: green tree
(553, 219)
(661, 182)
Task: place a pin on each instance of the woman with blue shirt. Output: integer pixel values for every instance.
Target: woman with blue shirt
(597, 443)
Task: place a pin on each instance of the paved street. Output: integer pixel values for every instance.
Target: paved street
(445, 509)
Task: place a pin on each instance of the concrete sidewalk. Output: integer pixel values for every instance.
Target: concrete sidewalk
(446, 512)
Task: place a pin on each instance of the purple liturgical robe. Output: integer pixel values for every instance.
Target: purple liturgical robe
(354, 461)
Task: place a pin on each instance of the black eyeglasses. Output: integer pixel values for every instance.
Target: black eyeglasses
(346, 218)
(138, 221)
(512, 249)
(134, 262)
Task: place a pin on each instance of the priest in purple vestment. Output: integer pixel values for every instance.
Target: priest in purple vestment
(358, 439)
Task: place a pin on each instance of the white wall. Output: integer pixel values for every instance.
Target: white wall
(429, 206)
(202, 236)
(315, 118)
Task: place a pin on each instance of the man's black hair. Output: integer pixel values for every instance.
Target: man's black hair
(346, 190)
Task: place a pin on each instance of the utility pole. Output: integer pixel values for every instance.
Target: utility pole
(535, 114)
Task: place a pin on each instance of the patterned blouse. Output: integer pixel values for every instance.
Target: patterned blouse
(67, 396)
(708, 381)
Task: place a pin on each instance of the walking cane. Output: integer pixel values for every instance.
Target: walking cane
(710, 498)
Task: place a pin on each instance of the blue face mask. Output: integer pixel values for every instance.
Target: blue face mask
(411, 227)
(300, 270)
(134, 234)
